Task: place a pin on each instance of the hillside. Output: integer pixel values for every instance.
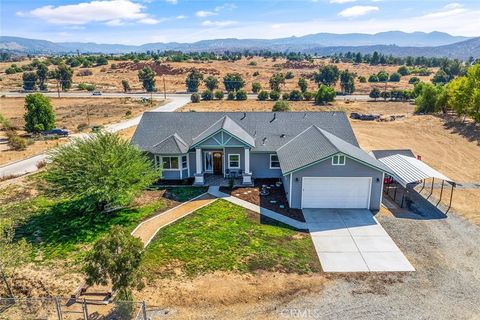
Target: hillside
(393, 42)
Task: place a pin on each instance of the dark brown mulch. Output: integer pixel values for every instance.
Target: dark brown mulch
(276, 193)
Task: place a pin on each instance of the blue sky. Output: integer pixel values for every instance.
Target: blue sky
(143, 21)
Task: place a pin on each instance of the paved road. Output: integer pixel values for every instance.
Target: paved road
(30, 164)
(146, 95)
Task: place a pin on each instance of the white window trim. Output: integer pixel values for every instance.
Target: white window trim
(340, 163)
(178, 161)
(278, 160)
(234, 154)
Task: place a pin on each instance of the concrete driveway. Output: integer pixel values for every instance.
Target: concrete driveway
(351, 240)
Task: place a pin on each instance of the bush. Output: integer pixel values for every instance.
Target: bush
(241, 95)
(231, 95)
(193, 80)
(211, 83)
(303, 85)
(86, 86)
(256, 87)
(414, 80)
(374, 93)
(385, 95)
(207, 95)
(17, 143)
(403, 70)
(324, 94)
(274, 95)
(362, 79)
(233, 82)
(84, 73)
(82, 126)
(289, 75)
(256, 74)
(195, 98)
(263, 95)
(219, 94)
(382, 76)
(308, 95)
(373, 78)
(281, 106)
(395, 77)
(295, 95)
(252, 63)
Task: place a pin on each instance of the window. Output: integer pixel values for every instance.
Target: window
(338, 160)
(234, 161)
(170, 163)
(184, 162)
(274, 163)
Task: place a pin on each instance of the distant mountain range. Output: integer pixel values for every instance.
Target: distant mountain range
(392, 42)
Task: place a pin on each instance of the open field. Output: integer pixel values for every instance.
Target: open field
(109, 80)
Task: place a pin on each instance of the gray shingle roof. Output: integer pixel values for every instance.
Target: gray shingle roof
(269, 130)
(315, 144)
(173, 144)
(385, 153)
(228, 125)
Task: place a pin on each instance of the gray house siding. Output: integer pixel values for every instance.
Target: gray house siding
(240, 151)
(171, 175)
(260, 166)
(351, 168)
(191, 163)
(286, 185)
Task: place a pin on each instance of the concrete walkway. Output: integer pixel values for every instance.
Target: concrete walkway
(352, 240)
(214, 190)
(30, 164)
(149, 228)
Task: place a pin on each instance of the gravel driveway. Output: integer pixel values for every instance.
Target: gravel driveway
(446, 255)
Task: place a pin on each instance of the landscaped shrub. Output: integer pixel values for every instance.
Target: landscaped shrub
(274, 95)
(241, 95)
(295, 95)
(195, 97)
(207, 95)
(219, 94)
(281, 106)
(231, 95)
(263, 95)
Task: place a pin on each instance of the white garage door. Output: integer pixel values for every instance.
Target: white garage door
(348, 192)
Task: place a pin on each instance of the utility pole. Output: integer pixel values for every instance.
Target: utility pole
(164, 89)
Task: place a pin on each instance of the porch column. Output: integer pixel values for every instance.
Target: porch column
(247, 160)
(198, 163)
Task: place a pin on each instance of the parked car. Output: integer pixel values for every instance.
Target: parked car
(55, 132)
(96, 93)
(354, 115)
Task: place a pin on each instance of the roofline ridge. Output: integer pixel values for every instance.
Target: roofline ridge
(295, 137)
(163, 140)
(222, 118)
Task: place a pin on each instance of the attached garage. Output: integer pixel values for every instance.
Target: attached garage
(336, 192)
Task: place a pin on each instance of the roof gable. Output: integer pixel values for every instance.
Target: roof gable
(173, 144)
(225, 124)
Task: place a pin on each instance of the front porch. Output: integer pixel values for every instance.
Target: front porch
(221, 181)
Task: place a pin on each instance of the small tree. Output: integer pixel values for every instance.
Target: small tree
(373, 78)
(42, 74)
(207, 95)
(39, 114)
(281, 106)
(295, 95)
(413, 80)
(262, 95)
(362, 79)
(441, 77)
(276, 81)
(303, 84)
(256, 87)
(211, 83)
(308, 95)
(289, 75)
(324, 94)
(374, 93)
(233, 82)
(64, 75)
(195, 97)
(395, 77)
(382, 76)
(241, 95)
(29, 81)
(385, 95)
(115, 259)
(147, 77)
(347, 82)
(231, 95)
(100, 171)
(403, 70)
(274, 95)
(126, 86)
(219, 94)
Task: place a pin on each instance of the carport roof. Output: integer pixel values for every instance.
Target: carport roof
(408, 170)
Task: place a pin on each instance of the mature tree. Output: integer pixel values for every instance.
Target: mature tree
(276, 81)
(101, 61)
(382, 76)
(263, 95)
(126, 85)
(395, 77)
(29, 81)
(385, 95)
(375, 59)
(413, 80)
(328, 75)
(428, 101)
(39, 114)
(42, 74)
(102, 171)
(404, 70)
(256, 87)
(373, 78)
(358, 58)
(464, 94)
(211, 83)
(115, 259)
(233, 82)
(147, 77)
(219, 94)
(347, 82)
(295, 95)
(374, 93)
(303, 84)
(274, 95)
(64, 75)
(324, 94)
(441, 77)
(281, 106)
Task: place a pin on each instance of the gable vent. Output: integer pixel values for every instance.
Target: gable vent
(274, 117)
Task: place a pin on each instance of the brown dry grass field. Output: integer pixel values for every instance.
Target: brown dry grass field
(109, 80)
(70, 113)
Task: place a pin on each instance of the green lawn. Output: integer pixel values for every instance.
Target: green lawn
(57, 230)
(223, 236)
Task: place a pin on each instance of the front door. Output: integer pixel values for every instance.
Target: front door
(217, 163)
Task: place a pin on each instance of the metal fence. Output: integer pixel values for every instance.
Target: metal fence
(75, 309)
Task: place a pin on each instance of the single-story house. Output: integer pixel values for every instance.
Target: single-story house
(315, 154)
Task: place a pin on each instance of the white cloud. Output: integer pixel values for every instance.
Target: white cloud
(180, 17)
(111, 12)
(451, 9)
(342, 1)
(226, 6)
(224, 23)
(172, 1)
(357, 11)
(204, 14)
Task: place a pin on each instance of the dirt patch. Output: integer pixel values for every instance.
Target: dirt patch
(276, 194)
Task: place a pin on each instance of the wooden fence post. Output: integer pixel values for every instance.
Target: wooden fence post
(144, 311)
(58, 308)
